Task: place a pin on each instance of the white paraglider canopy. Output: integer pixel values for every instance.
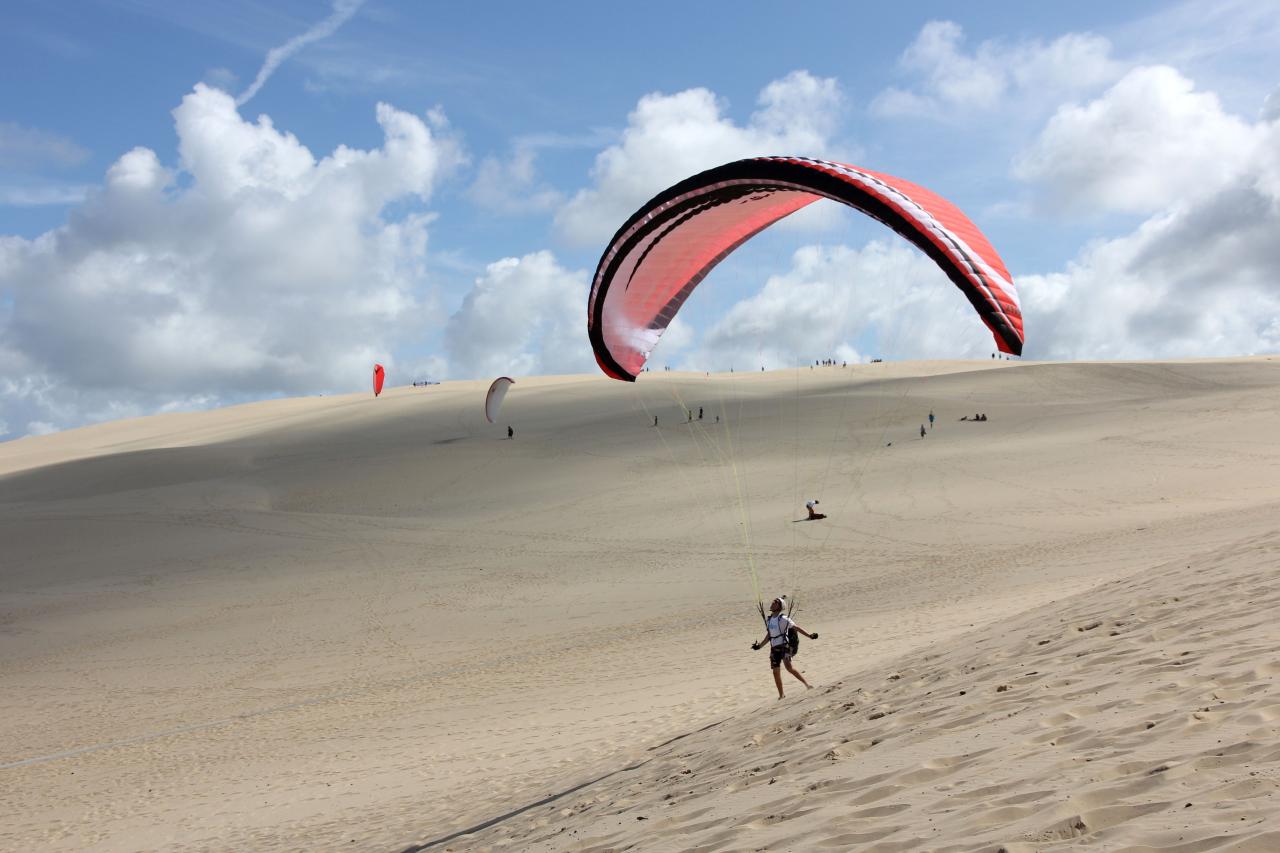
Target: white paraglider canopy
(496, 394)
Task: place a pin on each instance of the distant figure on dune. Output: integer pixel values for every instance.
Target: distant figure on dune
(931, 420)
(922, 431)
(655, 420)
(779, 641)
(511, 433)
(699, 413)
(812, 505)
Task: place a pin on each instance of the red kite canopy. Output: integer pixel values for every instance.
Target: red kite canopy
(496, 394)
(669, 245)
(378, 376)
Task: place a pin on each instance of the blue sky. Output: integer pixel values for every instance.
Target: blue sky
(430, 185)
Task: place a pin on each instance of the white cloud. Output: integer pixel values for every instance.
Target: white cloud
(42, 194)
(883, 299)
(523, 316)
(955, 83)
(1201, 278)
(1150, 141)
(1271, 107)
(221, 78)
(25, 148)
(1128, 298)
(253, 268)
(342, 12)
(510, 185)
(670, 137)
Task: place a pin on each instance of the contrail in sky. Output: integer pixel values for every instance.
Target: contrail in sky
(342, 12)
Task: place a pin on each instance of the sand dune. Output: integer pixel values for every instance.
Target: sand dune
(1141, 714)
(339, 621)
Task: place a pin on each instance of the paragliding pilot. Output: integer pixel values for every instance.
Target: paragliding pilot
(783, 642)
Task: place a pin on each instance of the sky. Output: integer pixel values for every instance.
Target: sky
(206, 204)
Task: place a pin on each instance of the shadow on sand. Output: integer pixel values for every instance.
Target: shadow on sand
(494, 821)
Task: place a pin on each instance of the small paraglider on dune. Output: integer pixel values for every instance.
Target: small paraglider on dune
(494, 396)
(379, 376)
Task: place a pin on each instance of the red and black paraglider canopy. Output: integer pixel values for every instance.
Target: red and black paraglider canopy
(669, 245)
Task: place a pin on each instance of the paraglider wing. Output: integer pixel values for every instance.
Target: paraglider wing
(497, 393)
(669, 245)
(379, 375)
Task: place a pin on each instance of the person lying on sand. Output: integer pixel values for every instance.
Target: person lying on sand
(814, 515)
(779, 649)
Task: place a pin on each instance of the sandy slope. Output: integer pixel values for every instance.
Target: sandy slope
(308, 622)
(1140, 715)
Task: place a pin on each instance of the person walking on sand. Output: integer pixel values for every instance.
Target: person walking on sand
(779, 625)
(922, 430)
(511, 433)
(931, 420)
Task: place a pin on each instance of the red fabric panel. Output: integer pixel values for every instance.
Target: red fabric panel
(633, 314)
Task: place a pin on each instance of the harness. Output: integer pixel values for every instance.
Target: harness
(790, 639)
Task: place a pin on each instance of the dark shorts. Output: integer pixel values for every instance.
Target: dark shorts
(777, 654)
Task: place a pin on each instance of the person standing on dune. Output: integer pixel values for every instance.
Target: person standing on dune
(779, 626)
